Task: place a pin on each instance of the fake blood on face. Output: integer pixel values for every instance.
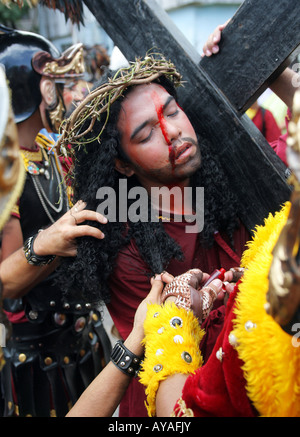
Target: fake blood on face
(162, 124)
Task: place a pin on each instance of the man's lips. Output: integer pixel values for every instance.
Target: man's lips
(181, 150)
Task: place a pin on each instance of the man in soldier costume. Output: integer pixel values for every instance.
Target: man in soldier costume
(56, 347)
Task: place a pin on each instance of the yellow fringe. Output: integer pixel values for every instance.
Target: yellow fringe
(181, 410)
(164, 346)
(8, 201)
(271, 362)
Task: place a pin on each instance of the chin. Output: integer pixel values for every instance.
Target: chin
(191, 168)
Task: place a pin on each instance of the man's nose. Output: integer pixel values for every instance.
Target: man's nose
(173, 131)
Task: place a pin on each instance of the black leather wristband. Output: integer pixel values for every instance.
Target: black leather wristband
(125, 360)
(32, 257)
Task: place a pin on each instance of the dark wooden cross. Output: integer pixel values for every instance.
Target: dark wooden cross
(257, 45)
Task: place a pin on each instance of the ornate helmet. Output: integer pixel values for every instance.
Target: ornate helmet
(27, 57)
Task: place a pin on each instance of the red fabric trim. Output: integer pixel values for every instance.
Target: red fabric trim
(222, 243)
(218, 388)
(16, 317)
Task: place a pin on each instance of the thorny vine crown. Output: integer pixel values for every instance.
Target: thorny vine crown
(98, 101)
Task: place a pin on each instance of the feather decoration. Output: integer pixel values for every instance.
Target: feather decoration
(72, 9)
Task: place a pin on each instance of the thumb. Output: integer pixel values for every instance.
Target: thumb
(156, 289)
(216, 284)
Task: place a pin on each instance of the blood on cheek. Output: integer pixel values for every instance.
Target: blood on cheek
(162, 124)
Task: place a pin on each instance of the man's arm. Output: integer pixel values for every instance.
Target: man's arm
(18, 276)
(168, 393)
(284, 86)
(104, 394)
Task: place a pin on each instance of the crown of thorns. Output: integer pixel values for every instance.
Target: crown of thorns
(100, 99)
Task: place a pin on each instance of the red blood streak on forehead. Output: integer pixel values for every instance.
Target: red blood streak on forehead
(162, 124)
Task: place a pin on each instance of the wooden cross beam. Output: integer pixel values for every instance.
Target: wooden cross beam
(256, 46)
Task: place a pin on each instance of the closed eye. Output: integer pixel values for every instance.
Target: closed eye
(144, 140)
(173, 113)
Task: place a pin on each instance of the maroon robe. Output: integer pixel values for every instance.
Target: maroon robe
(130, 284)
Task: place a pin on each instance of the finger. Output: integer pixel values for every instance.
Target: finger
(167, 277)
(237, 273)
(206, 51)
(215, 286)
(216, 37)
(205, 277)
(87, 231)
(156, 277)
(155, 292)
(86, 214)
(196, 279)
(215, 49)
(228, 276)
(222, 26)
(79, 206)
(212, 42)
(229, 287)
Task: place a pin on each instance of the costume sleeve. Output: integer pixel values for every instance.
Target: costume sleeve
(172, 338)
(254, 367)
(272, 130)
(217, 389)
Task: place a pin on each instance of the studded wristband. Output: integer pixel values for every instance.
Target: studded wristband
(125, 360)
(32, 257)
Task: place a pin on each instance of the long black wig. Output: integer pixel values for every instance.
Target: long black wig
(87, 275)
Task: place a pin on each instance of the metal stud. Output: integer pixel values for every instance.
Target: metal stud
(59, 319)
(232, 340)
(220, 354)
(176, 322)
(249, 325)
(178, 339)
(48, 361)
(95, 317)
(22, 358)
(186, 357)
(33, 315)
(80, 324)
(157, 368)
